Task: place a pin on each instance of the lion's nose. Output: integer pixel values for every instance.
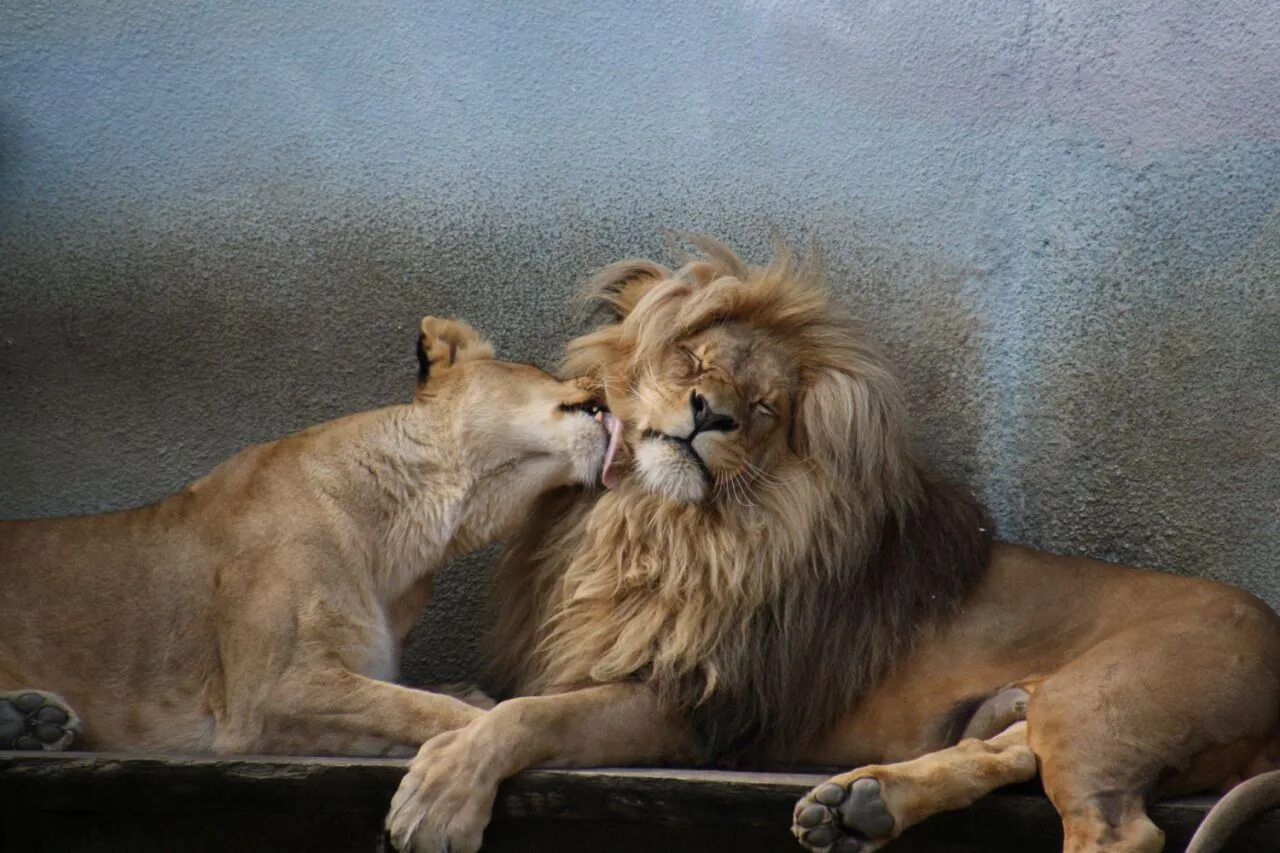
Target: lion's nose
(706, 419)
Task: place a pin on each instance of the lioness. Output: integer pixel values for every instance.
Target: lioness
(262, 608)
(779, 577)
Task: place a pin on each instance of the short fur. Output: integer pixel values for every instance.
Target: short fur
(262, 608)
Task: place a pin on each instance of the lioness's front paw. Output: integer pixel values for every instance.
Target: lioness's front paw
(35, 719)
(843, 817)
(444, 801)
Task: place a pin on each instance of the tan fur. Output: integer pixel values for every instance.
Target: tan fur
(262, 608)
(825, 599)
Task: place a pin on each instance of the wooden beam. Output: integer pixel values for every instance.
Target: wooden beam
(342, 800)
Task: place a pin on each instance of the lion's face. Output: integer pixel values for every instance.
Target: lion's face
(741, 384)
(734, 384)
(709, 412)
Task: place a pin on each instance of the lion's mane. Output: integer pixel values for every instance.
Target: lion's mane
(763, 621)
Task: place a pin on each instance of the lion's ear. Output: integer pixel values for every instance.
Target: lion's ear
(619, 286)
(444, 343)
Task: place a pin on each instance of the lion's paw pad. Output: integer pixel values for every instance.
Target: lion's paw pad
(841, 819)
(36, 720)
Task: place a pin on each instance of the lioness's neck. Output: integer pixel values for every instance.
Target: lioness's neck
(420, 486)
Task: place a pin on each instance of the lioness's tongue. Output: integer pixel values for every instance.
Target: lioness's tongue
(608, 476)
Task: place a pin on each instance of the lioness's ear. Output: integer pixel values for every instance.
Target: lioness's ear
(619, 286)
(444, 343)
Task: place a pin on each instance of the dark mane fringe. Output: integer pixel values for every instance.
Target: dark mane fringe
(522, 594)
(816, 650)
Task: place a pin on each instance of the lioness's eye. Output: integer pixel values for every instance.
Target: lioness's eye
(765, 409)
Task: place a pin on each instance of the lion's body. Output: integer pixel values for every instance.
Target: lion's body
(1028, 615)
(1034, 615)
(781, 580)
(263, 607)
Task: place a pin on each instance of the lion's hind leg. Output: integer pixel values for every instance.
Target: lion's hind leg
(1165, 708)
(37, 720)
(865, 809)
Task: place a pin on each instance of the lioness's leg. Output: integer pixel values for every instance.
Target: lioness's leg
(341, 713)
(445, 799)
(867, 808)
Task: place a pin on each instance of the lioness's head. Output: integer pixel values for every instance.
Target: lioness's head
(513, 414)
(731, 379)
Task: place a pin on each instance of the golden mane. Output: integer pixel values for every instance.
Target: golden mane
(730, 609)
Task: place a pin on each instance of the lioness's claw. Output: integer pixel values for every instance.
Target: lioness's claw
(36, 720)
(834, 818)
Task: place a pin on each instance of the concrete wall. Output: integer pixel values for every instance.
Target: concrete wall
(221, 221)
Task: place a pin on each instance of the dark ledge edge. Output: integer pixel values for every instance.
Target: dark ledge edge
(1016, 818)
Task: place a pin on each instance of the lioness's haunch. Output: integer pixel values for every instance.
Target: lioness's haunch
(262, 608)
(779, 577)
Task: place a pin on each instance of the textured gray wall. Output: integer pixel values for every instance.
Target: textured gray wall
(221, 221)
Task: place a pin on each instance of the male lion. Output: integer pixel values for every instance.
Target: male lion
(779, 578)
(262, 608)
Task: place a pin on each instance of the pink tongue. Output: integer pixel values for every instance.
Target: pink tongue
(607, 475)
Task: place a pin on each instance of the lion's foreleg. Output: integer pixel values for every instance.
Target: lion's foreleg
(445, 800)
(866, 808)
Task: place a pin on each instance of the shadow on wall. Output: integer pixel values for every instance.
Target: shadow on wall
(924, 311)
(131, 368)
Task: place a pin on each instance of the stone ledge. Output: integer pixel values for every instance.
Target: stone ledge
(108, 802)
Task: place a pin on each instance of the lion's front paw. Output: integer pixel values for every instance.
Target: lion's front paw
(843, 817)
(444, 801)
